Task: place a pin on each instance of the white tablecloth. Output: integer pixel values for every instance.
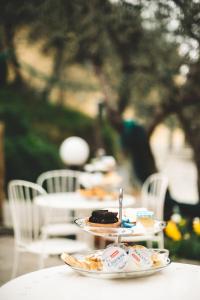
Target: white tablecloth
(74, 201)
(177, 282)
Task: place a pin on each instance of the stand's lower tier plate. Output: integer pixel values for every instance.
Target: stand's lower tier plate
(120, 274)
(138, 230)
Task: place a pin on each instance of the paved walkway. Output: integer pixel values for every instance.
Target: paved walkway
(28, 262)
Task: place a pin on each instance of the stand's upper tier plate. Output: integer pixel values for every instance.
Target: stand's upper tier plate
(137, 230)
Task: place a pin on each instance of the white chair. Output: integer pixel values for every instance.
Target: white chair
(60, 181)
(152, 197)
(153, 194)
(27, 221)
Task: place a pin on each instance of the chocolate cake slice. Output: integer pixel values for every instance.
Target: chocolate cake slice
(103, 217)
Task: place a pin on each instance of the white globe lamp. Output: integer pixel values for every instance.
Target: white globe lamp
(74, 151)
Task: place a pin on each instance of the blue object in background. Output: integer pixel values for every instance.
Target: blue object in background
(126, 223)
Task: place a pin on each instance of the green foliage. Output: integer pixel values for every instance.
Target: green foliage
(111, 139)
(130, 46)
(183, 237)
(34, 131)
(28, 156)
(58, 123)
(27, 153)
(188, 249)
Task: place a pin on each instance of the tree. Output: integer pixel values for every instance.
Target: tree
(157, 64)
(53, 28)
(184, 100)
(14, 15)
(2, 169)
(132, 51)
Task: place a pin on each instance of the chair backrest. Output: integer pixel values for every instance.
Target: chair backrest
(60, 181)
(153, 194)
(25, 214)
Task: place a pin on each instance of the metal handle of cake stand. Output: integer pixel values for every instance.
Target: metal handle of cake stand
(120, 212)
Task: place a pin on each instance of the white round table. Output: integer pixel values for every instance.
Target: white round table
(80, 206)
(74, 201)
(177, 282)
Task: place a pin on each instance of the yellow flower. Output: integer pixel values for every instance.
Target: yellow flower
(176, 218)
(186, 236)
(196, 226)
(172, 231)
(182, 222)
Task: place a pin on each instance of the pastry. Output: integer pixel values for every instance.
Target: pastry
(73, 262)
(103, 218)
(140, 247)
(89, 263)
(127, 258)
(97, 192)
(156, 260)
(94, 262)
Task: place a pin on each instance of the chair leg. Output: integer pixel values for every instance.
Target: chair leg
(15, 264)
(149, 244)
(41, 259)
(161, 240)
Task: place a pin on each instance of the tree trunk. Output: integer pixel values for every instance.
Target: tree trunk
(103, 83)
(99, 143)
(192, 131)
(2, 195)
(56, 74)
(156, 120)
(3, 65)
(9, 44)
(125, 88)
(198, 178)
(3, 72)
(195, 142)
(172, 107)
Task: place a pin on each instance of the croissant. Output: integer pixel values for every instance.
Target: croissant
(90, 263)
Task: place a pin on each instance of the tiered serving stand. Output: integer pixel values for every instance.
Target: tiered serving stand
(119, 233)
